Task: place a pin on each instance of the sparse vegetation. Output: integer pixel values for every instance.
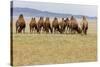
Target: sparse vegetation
(33, 48)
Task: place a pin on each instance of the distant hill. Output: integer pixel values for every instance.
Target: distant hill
(37, 13)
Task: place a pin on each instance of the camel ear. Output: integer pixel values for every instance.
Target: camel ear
(84, 17)
(33, 18)
(67, 19)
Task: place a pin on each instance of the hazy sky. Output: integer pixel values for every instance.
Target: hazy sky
(89, 10)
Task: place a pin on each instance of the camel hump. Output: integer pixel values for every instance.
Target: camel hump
(73, 18)
(21, 19)
(67, 19)
(84, 21)
(84, 17)
(21, 16)
(33, 18)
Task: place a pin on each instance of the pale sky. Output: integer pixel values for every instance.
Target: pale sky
(88, 10)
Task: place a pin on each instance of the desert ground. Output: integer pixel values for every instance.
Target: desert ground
(33, 49)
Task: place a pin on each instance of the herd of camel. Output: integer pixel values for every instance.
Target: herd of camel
(69, 24)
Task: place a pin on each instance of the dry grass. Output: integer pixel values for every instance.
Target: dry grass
(29, 49)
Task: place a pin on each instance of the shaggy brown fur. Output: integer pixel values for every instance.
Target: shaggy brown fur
(75, 26)
(68, 24)
(84, 25)
(40, 24)
(20, 24)
(33, 25)
(62, 25)
(55, 25)
(47, 25)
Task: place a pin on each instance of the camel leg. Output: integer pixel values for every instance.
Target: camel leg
(53, 29)
(39, 30)
(67, 29)
(85, 31)
(16, 29)
(71, 30)
(46, 29)
(19, 30)
(30, 29)
(50, 29)
(23, 30)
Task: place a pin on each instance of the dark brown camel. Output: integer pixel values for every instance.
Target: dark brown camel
(62, 26)
(84, 25)
(20, 24)
(47, 25)
(68, 24)
(55, 25)
(33, 25)
(75, 26)
(40, 24)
